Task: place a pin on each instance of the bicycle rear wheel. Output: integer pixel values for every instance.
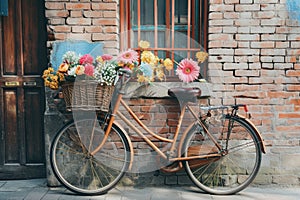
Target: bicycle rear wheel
(77, 169)
(231, 171)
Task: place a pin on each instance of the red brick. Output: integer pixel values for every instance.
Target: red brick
(104, 6)
(293, 59)
(248, 101)
(103, 37)
(289, 115)
(216, 1)
(297, 66)
(295, 102)
(216, 15)
(293, 73)
(54, 5)
(110, 14)
(264, 45)
(280, 94)
(285, 129)
(62, 28)
(111, 29)
(93, 29)
(76, 13)
(105, 21)
(60, 36)
(293, 88)
(78, 6)
(57, 13)
(93, 14)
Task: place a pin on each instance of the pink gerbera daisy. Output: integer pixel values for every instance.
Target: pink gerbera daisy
(86, 59)
(128, 56)
(106, 57)
(188, 70)
(89, 69)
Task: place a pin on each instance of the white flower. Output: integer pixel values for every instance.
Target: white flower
(105, 73)
(71, 57)
(72, 71)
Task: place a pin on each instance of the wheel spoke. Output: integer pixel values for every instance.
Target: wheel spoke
(238, 165)
(82, 172)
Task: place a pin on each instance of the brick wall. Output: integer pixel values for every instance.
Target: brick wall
(254, 54)
(91, 20)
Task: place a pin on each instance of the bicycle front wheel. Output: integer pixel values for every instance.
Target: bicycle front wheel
(77, 169)
(234, 167)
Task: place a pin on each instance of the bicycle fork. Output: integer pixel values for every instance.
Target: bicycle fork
(110, 123)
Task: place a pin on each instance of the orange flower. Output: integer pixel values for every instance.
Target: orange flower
(79, 70)
(63, 67)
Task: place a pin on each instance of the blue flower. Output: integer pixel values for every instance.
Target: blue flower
(146, 69)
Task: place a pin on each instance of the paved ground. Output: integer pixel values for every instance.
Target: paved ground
(37, 189)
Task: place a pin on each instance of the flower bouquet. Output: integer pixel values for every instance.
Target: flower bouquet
(96, 78)
(148, 67)
(86, 83)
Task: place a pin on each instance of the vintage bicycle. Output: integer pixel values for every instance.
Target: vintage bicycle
(91, 154)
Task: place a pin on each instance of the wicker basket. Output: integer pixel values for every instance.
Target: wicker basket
(87, 95)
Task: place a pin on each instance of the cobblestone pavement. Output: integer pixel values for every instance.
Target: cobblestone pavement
(37, 189)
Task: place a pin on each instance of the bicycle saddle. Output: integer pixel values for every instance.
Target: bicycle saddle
(185, 94)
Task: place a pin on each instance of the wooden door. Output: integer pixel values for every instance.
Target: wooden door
(23, 56)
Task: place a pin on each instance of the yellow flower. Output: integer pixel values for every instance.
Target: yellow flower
(99, 59)
(54, 85)
(201, 56)
(168, 64)
(144, 44)
(50, 69)
(46, 72)
(54, 78)
(148, 57)
(45, 76)
(143, 79)
(156, 61)
(61, 76)
(47, 83)
(131, 66)
(160, 74)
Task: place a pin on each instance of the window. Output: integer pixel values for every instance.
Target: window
(175, 28)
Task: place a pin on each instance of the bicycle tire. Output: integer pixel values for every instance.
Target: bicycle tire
(77, 169)
(235, 169)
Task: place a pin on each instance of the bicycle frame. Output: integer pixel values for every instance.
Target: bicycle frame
(170, 153)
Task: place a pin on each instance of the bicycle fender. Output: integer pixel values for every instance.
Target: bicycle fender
(184, 135)
(258, 134)
(129, 142)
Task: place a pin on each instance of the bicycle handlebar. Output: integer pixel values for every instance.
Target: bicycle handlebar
(123, 79)
(125, 71)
